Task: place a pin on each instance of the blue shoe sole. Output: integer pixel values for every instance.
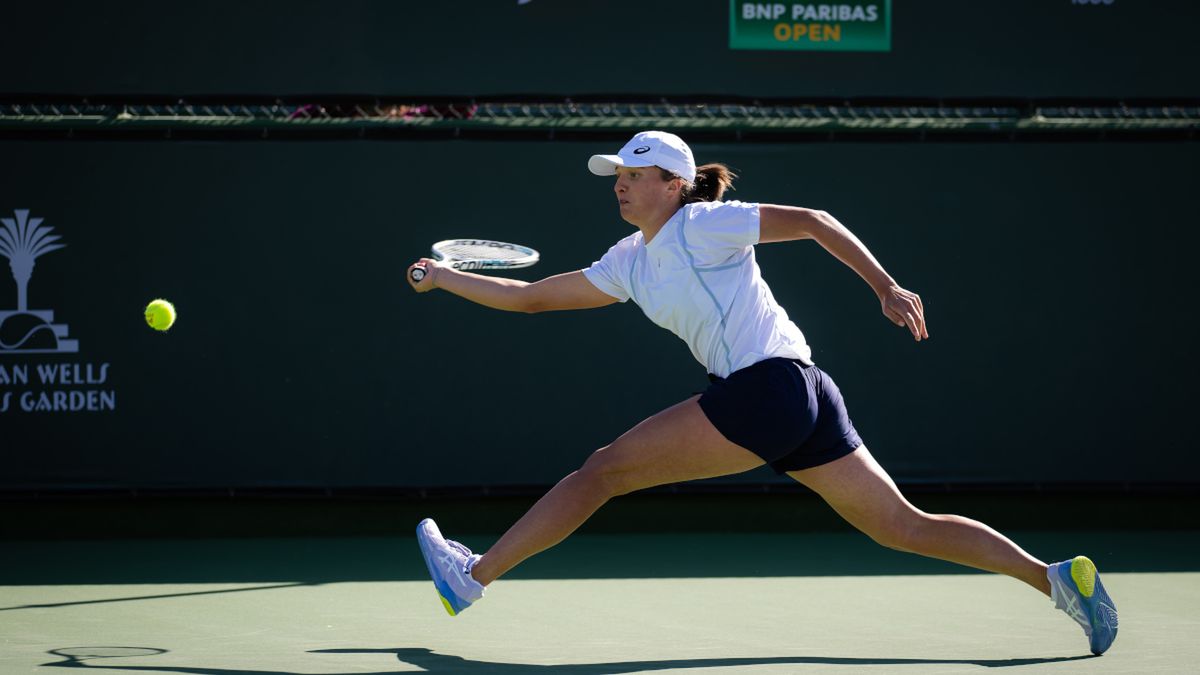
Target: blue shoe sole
(1104, 619)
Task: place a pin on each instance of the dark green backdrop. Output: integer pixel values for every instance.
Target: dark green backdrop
(1018, 48)
(1056, 278)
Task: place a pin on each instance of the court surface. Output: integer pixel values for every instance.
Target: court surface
(681, 603)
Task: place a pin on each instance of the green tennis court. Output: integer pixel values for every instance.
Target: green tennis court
(600, 603)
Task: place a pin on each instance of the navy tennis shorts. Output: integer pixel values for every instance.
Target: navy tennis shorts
(784, 411)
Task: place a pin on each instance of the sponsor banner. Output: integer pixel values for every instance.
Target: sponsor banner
(844, 26)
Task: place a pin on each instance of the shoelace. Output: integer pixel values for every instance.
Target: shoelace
(459, 547)
(467, 562)
(473, 587)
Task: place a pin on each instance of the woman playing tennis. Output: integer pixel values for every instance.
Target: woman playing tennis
(690, 267)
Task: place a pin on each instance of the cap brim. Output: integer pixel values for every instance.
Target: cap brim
(604, 165)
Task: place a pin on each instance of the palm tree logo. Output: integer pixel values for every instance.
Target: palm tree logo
(23, 240)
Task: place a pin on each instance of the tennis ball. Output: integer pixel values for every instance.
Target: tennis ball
(160, 314)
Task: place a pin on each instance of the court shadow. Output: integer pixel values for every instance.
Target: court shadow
(442, 663)
(426, 659)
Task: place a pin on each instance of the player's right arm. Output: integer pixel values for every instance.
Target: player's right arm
(571, 290)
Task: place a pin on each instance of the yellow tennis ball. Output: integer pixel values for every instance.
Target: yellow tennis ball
(160, 314)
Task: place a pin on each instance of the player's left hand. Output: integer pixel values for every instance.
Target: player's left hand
(904, 308)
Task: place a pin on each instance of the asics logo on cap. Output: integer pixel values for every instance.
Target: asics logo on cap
(642, 150)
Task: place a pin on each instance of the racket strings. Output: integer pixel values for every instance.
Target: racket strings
(477, 252)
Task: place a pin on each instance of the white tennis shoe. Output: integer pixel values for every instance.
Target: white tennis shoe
(449, 564)
(1075, 588)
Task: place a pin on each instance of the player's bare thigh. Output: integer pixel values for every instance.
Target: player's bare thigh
(675, 445)
(859, 489)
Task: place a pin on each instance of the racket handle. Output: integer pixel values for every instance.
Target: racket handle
(417, 274)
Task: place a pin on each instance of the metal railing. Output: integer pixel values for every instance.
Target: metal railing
(501, 115)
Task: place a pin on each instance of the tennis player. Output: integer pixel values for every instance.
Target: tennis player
(690, 267)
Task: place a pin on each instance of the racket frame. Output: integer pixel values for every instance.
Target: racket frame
(528, 257)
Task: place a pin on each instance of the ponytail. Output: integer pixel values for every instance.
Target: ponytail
(712, 180)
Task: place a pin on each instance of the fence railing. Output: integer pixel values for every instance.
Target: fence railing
(567, 115)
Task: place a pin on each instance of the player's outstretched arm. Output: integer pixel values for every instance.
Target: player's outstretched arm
(562, 291)
(788, 223)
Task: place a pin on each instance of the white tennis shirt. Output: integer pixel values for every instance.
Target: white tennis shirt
(698, 279)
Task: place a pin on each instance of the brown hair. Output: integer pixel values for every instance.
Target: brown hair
(712, 180)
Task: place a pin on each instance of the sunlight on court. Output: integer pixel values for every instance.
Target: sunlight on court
(929, 623)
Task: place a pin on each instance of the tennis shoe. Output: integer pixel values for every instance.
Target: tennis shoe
(449, 564)
(1076, 589)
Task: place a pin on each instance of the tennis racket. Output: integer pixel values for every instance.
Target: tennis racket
(479, 254)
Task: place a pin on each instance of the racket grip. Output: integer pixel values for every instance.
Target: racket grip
(417, 274)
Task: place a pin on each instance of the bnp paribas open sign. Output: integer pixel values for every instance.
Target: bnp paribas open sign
(844, 26)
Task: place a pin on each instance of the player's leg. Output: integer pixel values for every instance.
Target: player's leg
(677, 444)
(858, 488)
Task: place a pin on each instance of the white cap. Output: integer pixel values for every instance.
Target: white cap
(649, 148)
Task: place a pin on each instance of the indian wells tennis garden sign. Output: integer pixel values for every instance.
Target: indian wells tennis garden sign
(845, 26)
(33, 377)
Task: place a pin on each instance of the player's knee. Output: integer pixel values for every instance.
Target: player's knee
(893, 538)
(901, 531)
(605, 472)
